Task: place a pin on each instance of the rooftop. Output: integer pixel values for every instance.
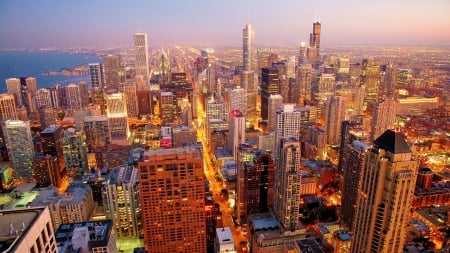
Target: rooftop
(224, 235)
(98, 233)
(393, 142)
(14, 224)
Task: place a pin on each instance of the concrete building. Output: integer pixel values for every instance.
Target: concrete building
(27, 230)
(173, 200)
(117, 116)
(75, 205)
(86, 237)
(51, 139)
(20, 147)
(8, 108)
(122, 202)
(385, 196)
(141, 51)
(224, 241)
(97, 131)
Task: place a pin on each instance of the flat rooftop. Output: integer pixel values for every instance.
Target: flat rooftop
(14, 224)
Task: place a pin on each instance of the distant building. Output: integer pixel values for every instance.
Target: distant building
(51, 138)
(117, 116)
(334, 116)
(269, 86)
(86, 237)
(183, 134)
(114, 72)
(97, 131)
(248, 48)
(96, 74)
(8, 108)
(141, 51)
(27, 230)
(20, 147)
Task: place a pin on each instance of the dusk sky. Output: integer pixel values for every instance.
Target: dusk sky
(100, 23)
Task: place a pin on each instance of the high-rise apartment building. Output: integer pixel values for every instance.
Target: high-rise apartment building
(19, 144)
(117, 115)
(51, 139)
(74, 149)
(173, 200)
(238, 100)
(269, 86)
(288, 123)
(73, 96)
(29, 89)
(236, 134)
(13, 86)
(47, 116)
(334, 116)
(97, 131)
(353, 161)
(384, 114)
(43, 97)
(302, 92)
(122, 203)
(131, 98)
(74, 205)
(114, 73)
(385, 195)
(370, 79)
(255, 181)
(8, 109)
(275, 101)
(248, 48)
(287, 186)
(141, 51)
(27, 230)
(96, 74)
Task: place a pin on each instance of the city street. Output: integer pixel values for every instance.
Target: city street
(216, 186)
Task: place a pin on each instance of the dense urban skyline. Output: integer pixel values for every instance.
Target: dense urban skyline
(41, 24)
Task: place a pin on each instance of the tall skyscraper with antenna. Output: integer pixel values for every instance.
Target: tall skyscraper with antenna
(141, 50)
(314, 42)
(248, 50)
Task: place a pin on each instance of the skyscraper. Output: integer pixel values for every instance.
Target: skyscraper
(288, 184)
(117, 115)
(269, 86)
(122, 203)
(384, 114)
(131, 98)
(275, 101)
(114, 72)
(385, 195)
(255, 179)
(173, 200)
(8, 109)
(314, 43)
(43, 97)
(353, 161)
(248, 48)
(51, 138)
(334, 115)
(302, 93)
(97, 131)
(20, 147)
(238, 100)
(236, 133)
(73, 96)
(96, 74)
(370, 79)
(287, 125)
(13, 86)
(141, 50)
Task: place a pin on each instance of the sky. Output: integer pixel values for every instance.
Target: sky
(213, 23)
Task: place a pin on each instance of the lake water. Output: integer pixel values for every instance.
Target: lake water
(33, 63)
